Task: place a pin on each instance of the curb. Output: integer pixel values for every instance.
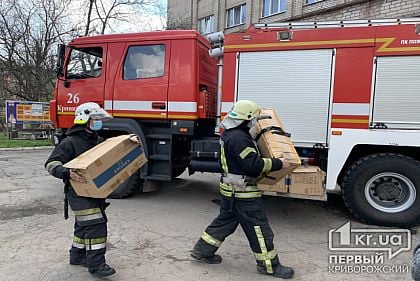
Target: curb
(25, 148)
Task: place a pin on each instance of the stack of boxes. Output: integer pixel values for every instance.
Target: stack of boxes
(274, 142)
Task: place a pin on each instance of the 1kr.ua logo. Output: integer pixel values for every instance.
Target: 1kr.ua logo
(346, 239)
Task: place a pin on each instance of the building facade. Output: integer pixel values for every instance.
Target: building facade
(230, 16)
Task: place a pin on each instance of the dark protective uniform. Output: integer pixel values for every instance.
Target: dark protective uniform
(415, 265)
(242, 203)
(90, 229)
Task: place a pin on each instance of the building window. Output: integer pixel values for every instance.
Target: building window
(271, 7)
(312, 1)
(206, 25)
(144, 62)
(236, 16)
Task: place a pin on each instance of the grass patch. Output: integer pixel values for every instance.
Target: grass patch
(6, 143)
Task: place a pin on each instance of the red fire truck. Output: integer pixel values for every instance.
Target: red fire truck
(348, 92)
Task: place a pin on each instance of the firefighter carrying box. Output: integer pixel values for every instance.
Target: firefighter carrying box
(274, 142)
(106, 166)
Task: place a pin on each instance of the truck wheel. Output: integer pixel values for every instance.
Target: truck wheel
(177, 171)
(131, 186)
(384, 189)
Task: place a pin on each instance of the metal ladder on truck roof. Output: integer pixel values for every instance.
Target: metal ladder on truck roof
(342, 23)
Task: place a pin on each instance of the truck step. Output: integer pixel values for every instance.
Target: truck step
(158, 177)
(159, 157)
(159, 136)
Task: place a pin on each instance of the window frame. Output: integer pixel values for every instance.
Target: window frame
(270, 12)
(90, 73)
(206, 19)
(312, 2)
(242, 17)
(127, 77)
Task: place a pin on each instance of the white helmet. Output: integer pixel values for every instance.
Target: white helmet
(88, 110)
(244, 110)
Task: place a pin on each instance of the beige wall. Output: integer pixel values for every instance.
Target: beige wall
(296, 10)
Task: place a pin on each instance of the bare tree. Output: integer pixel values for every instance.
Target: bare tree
(29, 33)
(104, 16)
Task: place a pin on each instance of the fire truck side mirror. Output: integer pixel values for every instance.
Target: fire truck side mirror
(417, 28)
(60, 60)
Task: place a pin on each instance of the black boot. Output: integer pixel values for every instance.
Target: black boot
(214, 259)
(102, 271)
(279, 271)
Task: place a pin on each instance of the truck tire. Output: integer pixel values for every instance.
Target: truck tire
(133, 185)
(384, 189)
(177, 171)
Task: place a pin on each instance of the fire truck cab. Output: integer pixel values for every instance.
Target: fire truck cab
(347, 91)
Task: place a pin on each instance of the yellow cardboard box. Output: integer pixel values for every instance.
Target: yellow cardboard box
(106, 166)
(268, 133)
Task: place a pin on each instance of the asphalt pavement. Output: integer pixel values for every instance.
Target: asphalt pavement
(150, 235)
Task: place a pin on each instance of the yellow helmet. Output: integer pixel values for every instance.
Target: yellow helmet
(244, 110)
(88, 110)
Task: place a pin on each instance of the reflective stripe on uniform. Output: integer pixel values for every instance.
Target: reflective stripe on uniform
(88, 214)
(268, 163)
(267, 256)
(51, 165)
(95, 243)
(263, 247)
(247, 151)
(223, 159)
(77, 245)
(241, 195)
(89, 217)
(95, 247)
(211, 240)
(78, 242)
(229, 187)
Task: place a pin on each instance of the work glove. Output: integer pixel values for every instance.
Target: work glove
(285, 163)
(135, 138)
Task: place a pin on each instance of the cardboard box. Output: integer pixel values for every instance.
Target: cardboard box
(307, 180)
(280, 186)
(273, 144)
(106, 166)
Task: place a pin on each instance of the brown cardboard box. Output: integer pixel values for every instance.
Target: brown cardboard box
(271, 144)
(280, 186)
(106, 166)
(307, 180)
